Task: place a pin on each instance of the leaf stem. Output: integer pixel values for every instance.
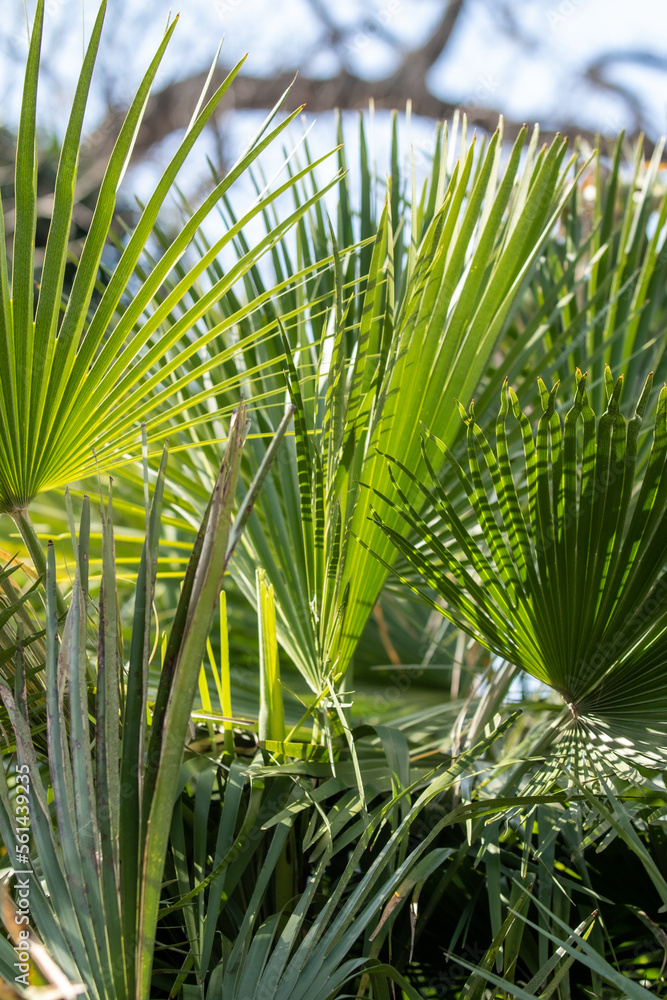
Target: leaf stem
(22, 521)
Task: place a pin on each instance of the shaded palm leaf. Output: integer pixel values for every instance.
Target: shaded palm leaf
(562, 573)
(102, 864)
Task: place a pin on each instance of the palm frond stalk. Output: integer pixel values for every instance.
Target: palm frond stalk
(22, 644)
(563, 571)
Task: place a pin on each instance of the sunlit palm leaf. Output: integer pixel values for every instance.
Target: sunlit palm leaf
(76, 382)
(385, 359)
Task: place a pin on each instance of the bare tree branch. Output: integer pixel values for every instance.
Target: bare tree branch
(170, 108)
(597, 73)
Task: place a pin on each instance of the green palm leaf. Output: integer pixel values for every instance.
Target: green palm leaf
(80, 368)
(563, 569)
(371, 334)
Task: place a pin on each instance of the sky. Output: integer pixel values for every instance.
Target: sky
(541, 80)
(536, 77)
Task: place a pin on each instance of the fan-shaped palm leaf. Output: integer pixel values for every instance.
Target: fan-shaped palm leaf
(387, 327)
(79, 369)
(599, 287)
(563, 572)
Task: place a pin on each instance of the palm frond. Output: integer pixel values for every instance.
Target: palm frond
(374, 320)
(563, 570)
(113, 782)
(81, 367)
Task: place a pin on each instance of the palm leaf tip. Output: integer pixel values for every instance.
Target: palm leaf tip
(566, 577)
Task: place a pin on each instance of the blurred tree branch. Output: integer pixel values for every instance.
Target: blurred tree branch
(170, 108)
